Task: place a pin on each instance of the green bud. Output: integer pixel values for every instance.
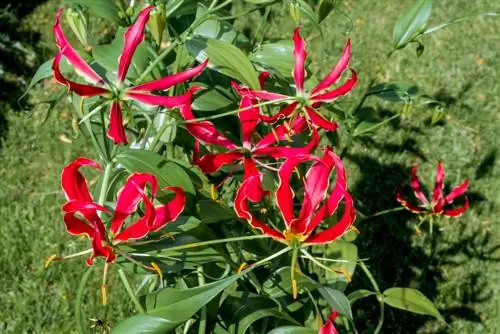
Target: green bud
(295, 12)
(420, 49)
(156, 23)
(78, 22)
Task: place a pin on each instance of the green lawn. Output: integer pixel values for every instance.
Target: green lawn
(457, 267)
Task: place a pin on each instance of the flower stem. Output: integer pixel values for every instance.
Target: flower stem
(105, 183)
(383, 212)
(379, 296)
(131, 293)
(203, 314)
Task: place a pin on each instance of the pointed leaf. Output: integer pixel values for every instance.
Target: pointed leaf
(143, 323)
(336, 300)
(411, 300)
(278, 56)
(292, 330)
(395, 91)
(167, 172)
(358, 294)
(412, 24)
(106, 9)
(224, 58)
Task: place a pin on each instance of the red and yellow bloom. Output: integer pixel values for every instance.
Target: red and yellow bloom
(304, 102)
(440, 204)
(115, 91)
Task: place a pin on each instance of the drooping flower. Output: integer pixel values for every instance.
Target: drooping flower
(440, 204)
(306, 103)
(116, 92)
(328, 327)
(81, 213)
(321, 199)
(250, 152)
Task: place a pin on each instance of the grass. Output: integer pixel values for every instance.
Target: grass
(457, 267)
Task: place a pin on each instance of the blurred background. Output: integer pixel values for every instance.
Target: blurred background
(457, 267)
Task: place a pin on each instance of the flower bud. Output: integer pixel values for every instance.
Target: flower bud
(295, 12)
(78, 22)
(156, 23)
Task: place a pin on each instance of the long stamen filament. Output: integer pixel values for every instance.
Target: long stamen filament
(54, 257)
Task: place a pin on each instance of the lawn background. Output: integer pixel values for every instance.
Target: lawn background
(457, 267)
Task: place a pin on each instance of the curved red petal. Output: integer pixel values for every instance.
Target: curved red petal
(405, 203)
(415, 185)
(170, 211)
(300, 54)
(334, 76)
(249, 117)
(338, 92)
(81, 67)
(171, 80)
(284, 192)
(258, 94)
(458, 211)
(211, 163)
(319, 121)
(204, 131)
(73, 183)
(262, 78)
(76, 226)
(79, 89)
(129, 197)
(169, 102)
(283, 113)
(457, 191)
(133, 37)
(437, 195)
(116, 130)
(242, 211)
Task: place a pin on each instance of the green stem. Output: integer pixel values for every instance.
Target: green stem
(131, 293)
(157, 60)
(105, 138)
(105, 183)
(379, 296)
(384, 212)
(79, 299)
(267, 259)
(206, 243)
(371, 128)
(203, 315)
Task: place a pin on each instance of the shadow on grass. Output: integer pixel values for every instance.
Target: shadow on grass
(18, 54)
(397, 257)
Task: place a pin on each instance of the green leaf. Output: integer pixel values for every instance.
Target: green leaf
(325, 8)
(279, 283)
(242, 309)
(212, 212)
(216, 29)
(107, 55)
(412, 24)
(292, 330)
(224, 58)
(411, 300)
(359, 294)
(396, 91)
(336, 300)
(45, 71)
(167, 172)
(176, 8)
(211, 99)
(459, 19)
(307, 11)
(278, 56)
(103, 8)
(177, 306)
(143, 323)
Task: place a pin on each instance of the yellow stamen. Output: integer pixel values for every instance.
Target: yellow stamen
(263, 210)
(294, 289)
(103, 285)
(157, 269)
(242, 267)
(348, 276)
(353, 228)
(297, 172)
(49, 260)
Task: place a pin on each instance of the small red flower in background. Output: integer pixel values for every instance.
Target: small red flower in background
(307, 102)
(440, 204)
(316, 188)
(81, 212)
(328, 327)
(141, 93)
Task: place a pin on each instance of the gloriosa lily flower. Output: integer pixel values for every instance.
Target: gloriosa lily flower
(440, 204)
(306, 103)
(301, 229)
(328, 327)
(81, 212)
(250, 152)
(115, 91)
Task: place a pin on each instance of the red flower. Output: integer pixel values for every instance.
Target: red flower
(114, 91)
(316, 187)
(439, 201)
(81, 212)
(249, 152)
(305, 102)
(328, 327)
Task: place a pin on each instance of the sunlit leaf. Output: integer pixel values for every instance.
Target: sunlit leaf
(412, 24)
(411, 300)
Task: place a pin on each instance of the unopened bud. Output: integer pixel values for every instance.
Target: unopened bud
(295, 12)
(156, 23)
(79, 23)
